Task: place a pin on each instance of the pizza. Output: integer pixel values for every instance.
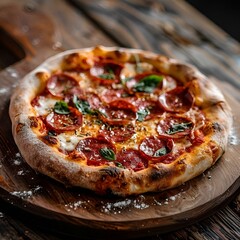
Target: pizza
(119, 121)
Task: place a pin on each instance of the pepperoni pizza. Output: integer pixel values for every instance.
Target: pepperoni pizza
(119, 121)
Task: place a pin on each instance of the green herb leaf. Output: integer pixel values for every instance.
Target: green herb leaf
(108, 154)
(82, 105)
(160, 152)
(61, 107)
(148, 83)
(180, 127)
(142, 113)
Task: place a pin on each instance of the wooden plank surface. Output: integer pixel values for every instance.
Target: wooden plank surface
(168, 27)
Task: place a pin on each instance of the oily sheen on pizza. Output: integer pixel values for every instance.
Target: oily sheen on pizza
(121, 121)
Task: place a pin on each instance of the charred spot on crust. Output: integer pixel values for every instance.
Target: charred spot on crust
(110, 171)
(57, 175)
(122, 56)
(71, 58)
(118, 53)
(111, 180)
(158, 174)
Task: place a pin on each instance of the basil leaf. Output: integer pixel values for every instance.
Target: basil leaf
(142, 113)
(160, 152)
(180, 127)
(82, 105)
(148, 83)
(61, 107)
(108, 154)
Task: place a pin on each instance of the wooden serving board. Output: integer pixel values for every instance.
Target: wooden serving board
(80, 209)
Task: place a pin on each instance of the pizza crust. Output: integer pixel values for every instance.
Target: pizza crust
(103, 179)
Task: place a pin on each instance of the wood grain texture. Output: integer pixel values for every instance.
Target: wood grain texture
(160, 26)
(170, 28)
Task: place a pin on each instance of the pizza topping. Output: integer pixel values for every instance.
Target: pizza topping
(175, 127)
(146, 82)
(98, 151)
(178, 127)
(109, 95)
(119, 112)
(198, 137)
(107, 153)
(156, 149)
(177, 100)
(118, 133)
(43, 105)
(62, 85)
(82, 105)
(67, 141)
(132, 159)
(94, 100)
(106, 72)
(61, 107)
(60, 122)
(148, 109)
(142, 114)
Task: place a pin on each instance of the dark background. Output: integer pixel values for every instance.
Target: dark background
(224, 13)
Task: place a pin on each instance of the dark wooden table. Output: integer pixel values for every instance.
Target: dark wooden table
(31, 31)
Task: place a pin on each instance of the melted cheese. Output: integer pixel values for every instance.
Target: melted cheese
(68, 141)
(45, 105)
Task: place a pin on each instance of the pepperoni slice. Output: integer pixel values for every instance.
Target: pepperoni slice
(177, 100)
(98, 151)
(145, 82)
(62, 85)
(109, 95)
(94, 100)
(106, 72)
(149, 108)
(156, 149)
(174, 127)
(64, 122)
(119, 112)
(132, 159)
(118, 133)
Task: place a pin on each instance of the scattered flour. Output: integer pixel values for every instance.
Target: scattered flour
(25, 194)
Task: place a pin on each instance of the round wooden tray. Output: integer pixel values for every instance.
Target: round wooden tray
(141, 215)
